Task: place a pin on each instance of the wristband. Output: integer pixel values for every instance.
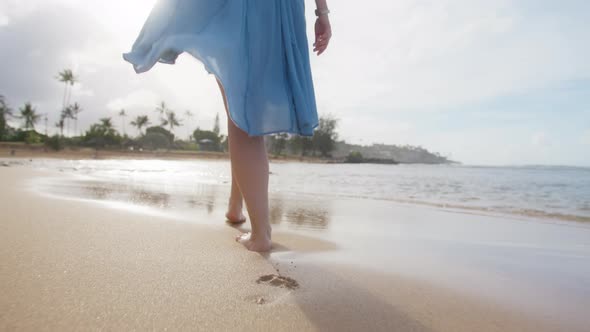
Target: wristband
(321, 12)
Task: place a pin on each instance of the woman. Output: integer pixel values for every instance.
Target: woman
(258, 52)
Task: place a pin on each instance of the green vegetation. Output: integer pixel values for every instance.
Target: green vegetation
(102, 135)
(73, 111)
(354, 157)
(29, 115)
(32, 137)
(123, 115)
(67, 77)
(278, 143)
(208, 140)
(55, 142)
(154, 141)
(325, 136)
(140, 122)
(5, 114)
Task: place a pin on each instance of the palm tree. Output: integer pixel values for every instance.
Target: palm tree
(29, 114)
(161, 110)
(60, 124)
(189, 115)
(67, 77)
(45, 119)
(5, 112)
(75, 110)
(216, 125)
(67, 113)
(171, 120)
(107, 126)
(62, 121)
(140, 122)
(122, 114)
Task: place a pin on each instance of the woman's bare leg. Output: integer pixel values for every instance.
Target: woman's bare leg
(234, 209)
(249, 165)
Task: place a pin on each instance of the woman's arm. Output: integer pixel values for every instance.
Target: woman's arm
(323, 29)
(321, 4)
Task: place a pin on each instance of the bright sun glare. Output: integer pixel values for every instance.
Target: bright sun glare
(122, 18)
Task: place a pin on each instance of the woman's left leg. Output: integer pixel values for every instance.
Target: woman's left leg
(250, 169)
(234, 209)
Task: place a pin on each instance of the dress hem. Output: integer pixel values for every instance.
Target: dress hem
(210, 70)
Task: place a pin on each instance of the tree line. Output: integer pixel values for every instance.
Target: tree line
(150, 135)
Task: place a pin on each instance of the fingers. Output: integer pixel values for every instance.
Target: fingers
(322, 41)
(321, 44)
(324, 37)
(320, 49)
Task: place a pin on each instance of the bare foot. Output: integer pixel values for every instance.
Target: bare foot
(234, 213)
(233, 218)
(261, 244)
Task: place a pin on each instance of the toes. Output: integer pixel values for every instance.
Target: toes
(243, 237)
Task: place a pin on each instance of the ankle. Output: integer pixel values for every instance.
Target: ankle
(235, 202)
(264, 233)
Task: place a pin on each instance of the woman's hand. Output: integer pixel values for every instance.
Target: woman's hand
(323, 33)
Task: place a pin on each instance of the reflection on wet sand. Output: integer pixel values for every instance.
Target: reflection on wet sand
(276, 210)
(97, 192)
(314, 217)
(144, 197)
(117, 192)
(302, 213)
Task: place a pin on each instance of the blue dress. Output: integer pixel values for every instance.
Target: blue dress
(258, 49)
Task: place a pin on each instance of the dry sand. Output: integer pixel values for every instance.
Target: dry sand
(68, 265)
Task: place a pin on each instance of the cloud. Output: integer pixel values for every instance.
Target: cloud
(136, 99)
(585, 137)
(367, 128)
(32, 76)
(435, 55)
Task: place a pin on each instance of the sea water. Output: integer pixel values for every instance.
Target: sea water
(543, 192)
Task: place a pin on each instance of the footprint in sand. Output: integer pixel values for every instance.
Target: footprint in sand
(275, 281)
(278, 281)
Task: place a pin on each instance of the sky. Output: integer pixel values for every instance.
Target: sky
(482, 82)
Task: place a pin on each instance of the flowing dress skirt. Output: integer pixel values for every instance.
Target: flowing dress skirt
(258, 49)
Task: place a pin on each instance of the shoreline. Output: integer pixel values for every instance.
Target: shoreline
(75, 265)
(24, 151)
(21, 150)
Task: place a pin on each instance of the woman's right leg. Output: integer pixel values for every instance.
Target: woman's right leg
(250, 168)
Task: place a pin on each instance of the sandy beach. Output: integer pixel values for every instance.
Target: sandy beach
(75, 265)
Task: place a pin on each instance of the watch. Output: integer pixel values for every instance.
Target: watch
(320, 12)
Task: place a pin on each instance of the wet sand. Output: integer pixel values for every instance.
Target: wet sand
(74, 265)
